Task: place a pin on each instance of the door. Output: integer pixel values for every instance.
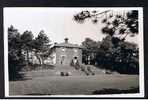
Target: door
(63, 60)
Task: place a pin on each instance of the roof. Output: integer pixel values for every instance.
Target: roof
(68, 45)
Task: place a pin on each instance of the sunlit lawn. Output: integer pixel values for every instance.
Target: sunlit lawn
(58, 85)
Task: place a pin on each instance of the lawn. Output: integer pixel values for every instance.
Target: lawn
(72, 85)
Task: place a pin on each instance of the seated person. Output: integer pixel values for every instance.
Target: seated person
(75, 63)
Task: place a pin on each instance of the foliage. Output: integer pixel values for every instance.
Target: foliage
(41, 47)
(106, 43)
(93, 15)
(114, 53)
(41, 40)
(14, 53)
(89, 47)
(122, 25)
(26, 40)
(123, 58)
(90, 44)
(20, 45)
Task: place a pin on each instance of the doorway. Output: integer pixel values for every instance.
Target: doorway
(63, 60)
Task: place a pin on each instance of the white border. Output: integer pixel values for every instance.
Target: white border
(141, 56)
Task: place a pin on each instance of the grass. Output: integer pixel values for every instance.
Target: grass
(72, 85)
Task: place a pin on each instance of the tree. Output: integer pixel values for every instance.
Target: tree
(106, 43)
(90, 44)
(121, 25)
(104, 54)
(93, 15)
(117, 27)
(15, 58)
(27, 39)
(89, 51)
(41, 47)
(20, 48)
(123, 58)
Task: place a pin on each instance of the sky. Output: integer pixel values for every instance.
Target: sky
(57, 23)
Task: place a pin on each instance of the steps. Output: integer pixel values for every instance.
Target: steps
(99, 71)
(64, 68)
(90, 69)
(80, 72)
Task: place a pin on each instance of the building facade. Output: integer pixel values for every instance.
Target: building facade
(64, 53)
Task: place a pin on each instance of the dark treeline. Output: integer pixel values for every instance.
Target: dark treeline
(123, 59)
(21, 47)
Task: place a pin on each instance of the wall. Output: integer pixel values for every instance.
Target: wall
(68, 54)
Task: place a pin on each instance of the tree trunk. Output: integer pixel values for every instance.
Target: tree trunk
(27, 57)
(42, 61)
(38, 57)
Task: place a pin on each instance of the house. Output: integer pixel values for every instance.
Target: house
(64, 53)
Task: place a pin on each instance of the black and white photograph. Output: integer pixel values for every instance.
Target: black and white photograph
(73, 51)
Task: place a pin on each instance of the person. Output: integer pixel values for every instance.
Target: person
(75, 63)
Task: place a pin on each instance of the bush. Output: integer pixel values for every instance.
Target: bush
(82, 67)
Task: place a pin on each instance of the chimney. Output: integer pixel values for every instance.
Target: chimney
(66, 40)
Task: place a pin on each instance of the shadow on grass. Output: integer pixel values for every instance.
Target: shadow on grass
(36, 67)
(19, 77)
(15, 75)
(116, 91)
